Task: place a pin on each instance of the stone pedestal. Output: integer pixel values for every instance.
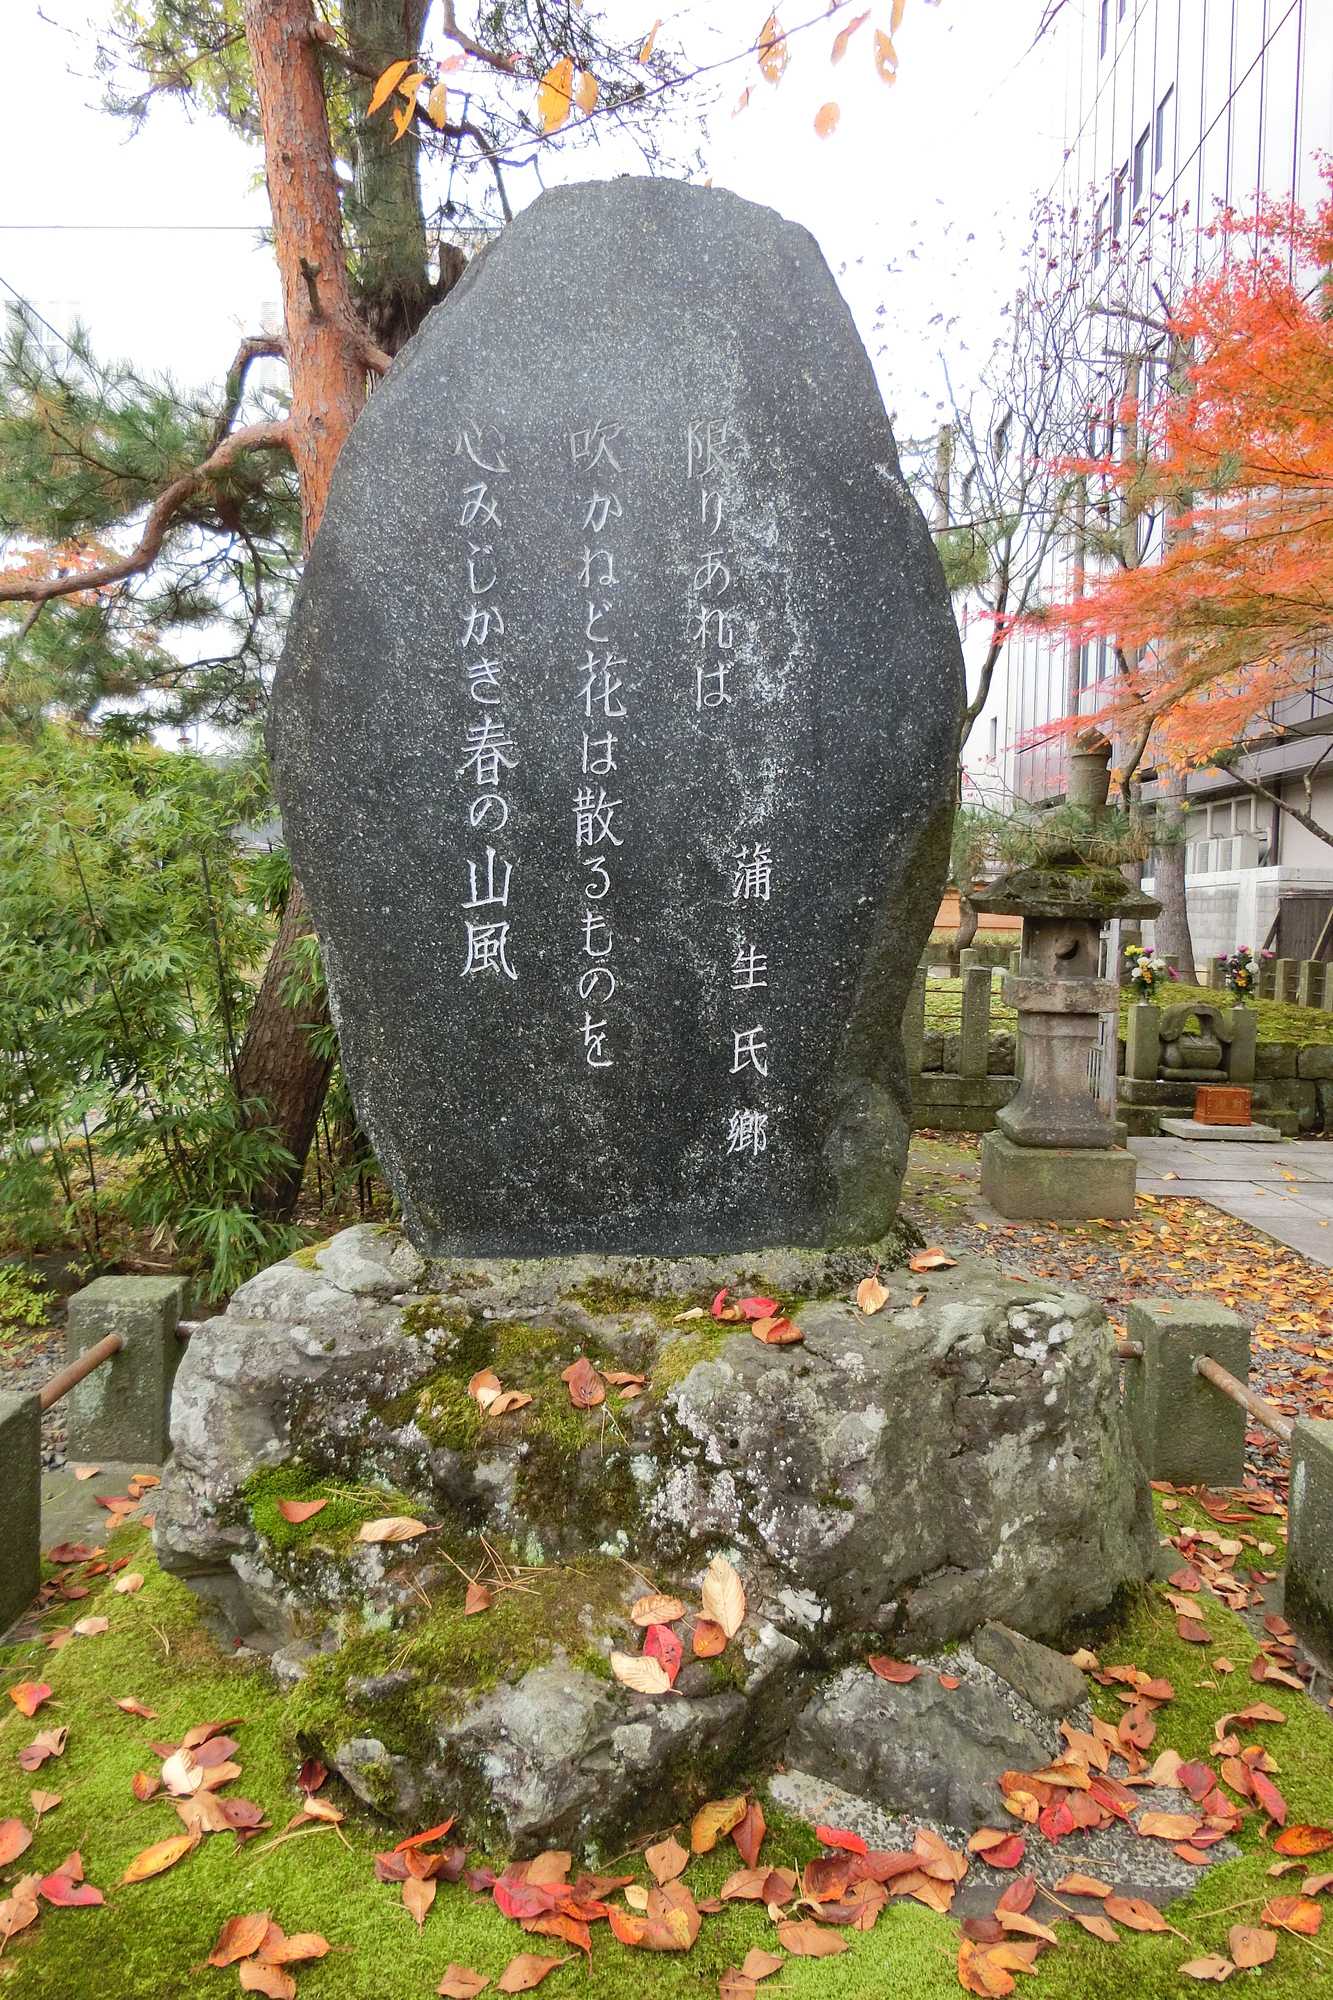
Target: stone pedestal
(1185, 1429)
(120, 1411)
(1049, 1184)
(1309, 1576)
(21, 1474)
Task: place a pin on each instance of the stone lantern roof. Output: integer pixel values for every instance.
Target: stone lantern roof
(1064, 888)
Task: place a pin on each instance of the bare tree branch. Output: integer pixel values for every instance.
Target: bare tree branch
(252, 349)
(505, 64)
(253, 437)
(1304, 819)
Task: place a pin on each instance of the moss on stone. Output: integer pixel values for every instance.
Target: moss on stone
(306, 1258)
(704, 1342)
(334, 1527)
(453, 1658)
(605, 1295)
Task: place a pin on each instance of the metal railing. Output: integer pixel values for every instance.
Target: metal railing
(1221, 1378)
(69, 1377)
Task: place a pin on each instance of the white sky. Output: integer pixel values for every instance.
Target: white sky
(918, 200)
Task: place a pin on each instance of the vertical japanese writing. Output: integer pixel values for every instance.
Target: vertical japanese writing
(489, 752)
(599, 702)
(711, 629)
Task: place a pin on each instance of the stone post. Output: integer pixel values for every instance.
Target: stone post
(1310, 984)
(21, 1483)
(120, 1411)
(1240, 1049)
(914, 1022)
(1217, 975)
(1286, 971)
(974, 1040)
(1185, 1429)
(1143, 1044)
(1016, 958)
(1308, 1594)
(967, 958)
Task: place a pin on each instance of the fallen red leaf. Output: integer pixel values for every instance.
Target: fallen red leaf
(835, 1836)
(300, 1510)
(586, 1391)
(661, 1643)
(900, 1672)
(1303, 1839)
(28, 1696)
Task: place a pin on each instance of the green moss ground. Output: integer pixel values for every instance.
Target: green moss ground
(142, 1945)
(1275, 1021)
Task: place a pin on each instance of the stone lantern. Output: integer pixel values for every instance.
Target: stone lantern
(1059, 1154)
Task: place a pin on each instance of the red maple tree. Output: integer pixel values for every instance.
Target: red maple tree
(1237, 460)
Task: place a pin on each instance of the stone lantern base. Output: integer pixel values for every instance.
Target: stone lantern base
(1050, 1184)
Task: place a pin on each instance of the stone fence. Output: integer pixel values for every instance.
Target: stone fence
(1301, 982)
(961, 1078)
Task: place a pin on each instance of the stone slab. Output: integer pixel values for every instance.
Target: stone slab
(1185, 1429)
(1308, 1575)
(1032, 1183)
(1227, 1135)
(20, 1481)
(120, 1411)
(1045, 1679)
(615, 738)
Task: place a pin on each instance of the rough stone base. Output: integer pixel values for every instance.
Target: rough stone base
(1034, 1184)
(888, 1484)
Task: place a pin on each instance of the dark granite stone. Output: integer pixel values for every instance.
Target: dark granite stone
(615, 738)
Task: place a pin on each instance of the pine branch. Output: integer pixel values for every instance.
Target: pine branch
(253, 437)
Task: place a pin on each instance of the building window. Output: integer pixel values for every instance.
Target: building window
(1106, 25)
(1099, 232)
(1141, 163)
(994, 737)
(1118, 202)
(1161, 130)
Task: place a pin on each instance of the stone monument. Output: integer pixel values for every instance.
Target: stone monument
(615, 738)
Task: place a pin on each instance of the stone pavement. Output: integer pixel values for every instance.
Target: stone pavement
(1286, 1190)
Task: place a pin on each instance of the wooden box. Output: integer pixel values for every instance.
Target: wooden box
(1221, 1104)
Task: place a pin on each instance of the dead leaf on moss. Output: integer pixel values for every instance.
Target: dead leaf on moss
(163, 1854)
(239, 1938)
(460, 1982)
(806, 1939)
(526, 1971)
(711, 1821)
(297, 1511)
(478, 1599)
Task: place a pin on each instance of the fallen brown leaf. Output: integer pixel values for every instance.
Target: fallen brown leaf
(666, 1860)
(656, 1610)
(460, 1982)
(1250, 1947)
(392, 1528)
(526, 1971)
(586, 1387)
(296, 1511)
(810, 1940)
(417, 1899)
(163, 1854)
(723, 1596)
(711, 1821)
(709, 1639)
(238, 1938)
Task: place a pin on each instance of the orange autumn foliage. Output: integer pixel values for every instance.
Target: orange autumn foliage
(1240, 468)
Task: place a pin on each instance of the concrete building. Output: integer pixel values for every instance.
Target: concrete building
(1173, 109)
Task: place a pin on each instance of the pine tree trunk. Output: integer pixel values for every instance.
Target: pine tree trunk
(325, 348)
(278, 1064)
